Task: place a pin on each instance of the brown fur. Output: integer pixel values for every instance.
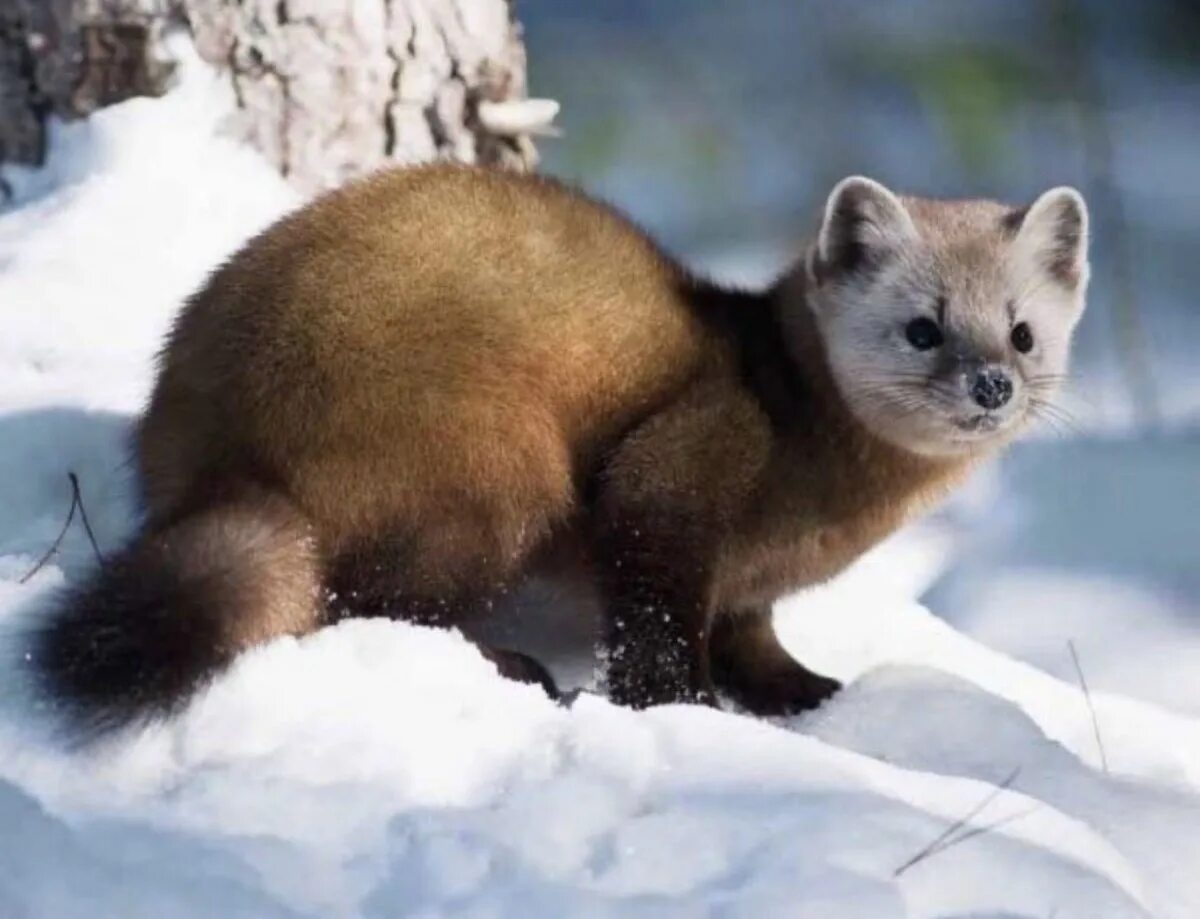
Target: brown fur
(456, 377)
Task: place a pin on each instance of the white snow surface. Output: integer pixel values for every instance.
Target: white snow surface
(381, 769)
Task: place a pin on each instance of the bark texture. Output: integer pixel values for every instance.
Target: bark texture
(326, 89)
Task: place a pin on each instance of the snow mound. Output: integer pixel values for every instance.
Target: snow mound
(381, 769)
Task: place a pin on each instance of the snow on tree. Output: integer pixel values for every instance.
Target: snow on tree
(325, 90)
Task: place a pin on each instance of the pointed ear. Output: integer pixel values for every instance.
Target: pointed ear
(864, 225)
(1053, 231)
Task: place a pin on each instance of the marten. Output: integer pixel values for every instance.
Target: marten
(418, 392)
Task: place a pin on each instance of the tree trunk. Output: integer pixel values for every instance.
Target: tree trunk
(326, 90)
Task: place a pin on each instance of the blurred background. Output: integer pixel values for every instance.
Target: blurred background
(721, 126)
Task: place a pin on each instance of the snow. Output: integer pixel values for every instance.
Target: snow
(382, 769)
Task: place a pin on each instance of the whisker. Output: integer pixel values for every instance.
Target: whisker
(1056, 418)
(1046, 378)
(1054, 407)
(906, 398)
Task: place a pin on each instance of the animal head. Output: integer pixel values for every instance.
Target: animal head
(947, 324)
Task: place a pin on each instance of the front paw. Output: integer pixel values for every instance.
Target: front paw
(781, 691)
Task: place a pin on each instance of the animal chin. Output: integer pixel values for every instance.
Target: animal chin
(986, 427)
(983, 423)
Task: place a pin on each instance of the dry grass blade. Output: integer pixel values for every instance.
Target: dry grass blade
(983, 828)
(943, 839)
(76, 504)
(1087, 695)
(77, 495)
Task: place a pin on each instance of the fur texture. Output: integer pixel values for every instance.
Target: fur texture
(423, 390)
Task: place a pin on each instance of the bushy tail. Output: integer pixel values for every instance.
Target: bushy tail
(155, 623)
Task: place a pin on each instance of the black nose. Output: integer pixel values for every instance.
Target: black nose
(991, 388)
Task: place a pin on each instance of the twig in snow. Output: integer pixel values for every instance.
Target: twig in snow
(943, 840)
(76, 503)
(1087, 695)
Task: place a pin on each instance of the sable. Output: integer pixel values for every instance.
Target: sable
(424, 390)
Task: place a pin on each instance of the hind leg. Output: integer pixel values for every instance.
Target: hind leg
(444, 572)
(447, 577)
(513, 665)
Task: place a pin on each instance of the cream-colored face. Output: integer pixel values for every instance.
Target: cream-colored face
(947, 324)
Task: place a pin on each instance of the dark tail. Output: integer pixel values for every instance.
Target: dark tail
(160, 619)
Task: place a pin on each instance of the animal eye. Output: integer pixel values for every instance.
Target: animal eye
(923, 333)
(1022, 337)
